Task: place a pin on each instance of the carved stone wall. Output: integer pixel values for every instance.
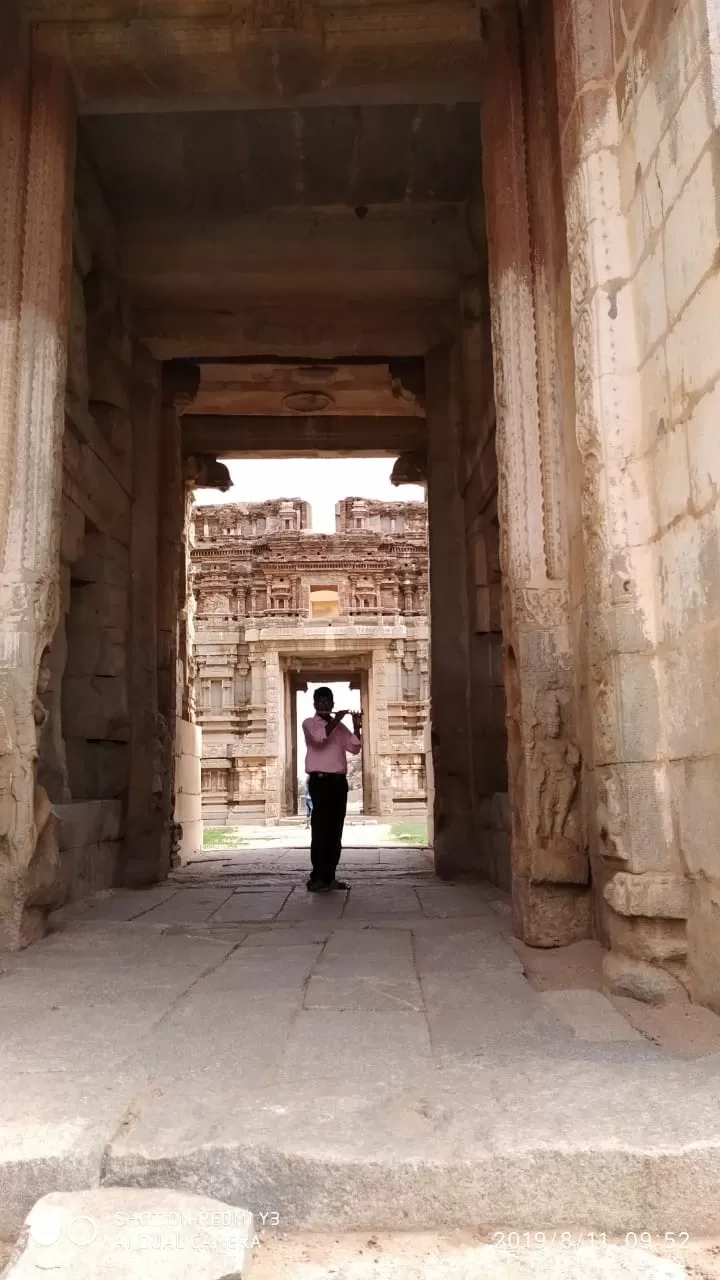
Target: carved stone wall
(273, 603)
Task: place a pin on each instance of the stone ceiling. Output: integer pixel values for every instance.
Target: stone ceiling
(288, 179)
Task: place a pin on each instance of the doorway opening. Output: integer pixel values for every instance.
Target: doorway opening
(346, 697)
(310, 571)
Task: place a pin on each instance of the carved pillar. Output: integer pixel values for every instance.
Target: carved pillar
(549, 862)
(37, 145)
(450, 699)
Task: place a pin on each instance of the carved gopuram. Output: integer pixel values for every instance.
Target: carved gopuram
(278, 606)
(480, 241)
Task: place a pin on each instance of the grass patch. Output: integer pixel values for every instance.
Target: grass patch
(410, 832)
(223, 838)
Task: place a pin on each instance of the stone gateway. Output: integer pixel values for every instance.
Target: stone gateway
(481, 239)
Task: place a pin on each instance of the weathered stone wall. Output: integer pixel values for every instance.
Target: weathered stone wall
(668, 187)
(98, 744)
(638, 121)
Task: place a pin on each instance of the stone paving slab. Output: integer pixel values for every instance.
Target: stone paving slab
(303, 907)
(221, 1038)
(289, 935)
(366, 901)
(356, 1047)
(244, 906)
(189, 906)
(121, 904)
(333, 989)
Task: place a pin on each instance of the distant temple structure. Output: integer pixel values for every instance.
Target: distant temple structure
(277, 607)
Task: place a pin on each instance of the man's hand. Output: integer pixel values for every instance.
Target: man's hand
(332, 722)
(357, 723)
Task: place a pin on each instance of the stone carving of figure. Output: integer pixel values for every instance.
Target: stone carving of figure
(555, 773)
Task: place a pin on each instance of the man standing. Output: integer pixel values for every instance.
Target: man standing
(328, 742)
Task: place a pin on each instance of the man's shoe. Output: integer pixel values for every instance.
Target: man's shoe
(339, 884)
(318, 886)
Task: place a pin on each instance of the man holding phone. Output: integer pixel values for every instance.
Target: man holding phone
(328, 743)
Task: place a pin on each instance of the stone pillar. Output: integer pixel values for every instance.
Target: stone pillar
(549, 862)
(180, 381)
(452, 765)
(147, 854)
(37, 145)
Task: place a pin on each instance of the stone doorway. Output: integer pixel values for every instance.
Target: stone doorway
(291, 235)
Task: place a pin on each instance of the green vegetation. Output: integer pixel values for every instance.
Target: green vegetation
(410, 832)
(222, 838)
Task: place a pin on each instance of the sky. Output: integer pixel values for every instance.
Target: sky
(320, 481)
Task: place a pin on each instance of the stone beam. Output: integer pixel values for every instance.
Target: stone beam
(237, 437)
(391, 252)
(245, 54)
(309, 328)
(279, 388)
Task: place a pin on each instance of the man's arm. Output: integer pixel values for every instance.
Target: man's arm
(352, 742)
(315, 731)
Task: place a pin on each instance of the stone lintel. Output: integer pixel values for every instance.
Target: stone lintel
(318, 328)
(226, 436)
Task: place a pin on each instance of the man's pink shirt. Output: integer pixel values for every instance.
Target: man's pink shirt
(328, 755)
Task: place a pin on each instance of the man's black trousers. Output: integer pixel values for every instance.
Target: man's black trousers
(329, 793)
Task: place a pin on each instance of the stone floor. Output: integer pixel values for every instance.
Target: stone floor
(369, 1061)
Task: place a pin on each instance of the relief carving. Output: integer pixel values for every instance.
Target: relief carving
(555, 775)
(539, 608)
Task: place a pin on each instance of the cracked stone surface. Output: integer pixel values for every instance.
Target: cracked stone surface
(343, 1067)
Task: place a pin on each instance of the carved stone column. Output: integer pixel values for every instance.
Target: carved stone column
(450, 698)
(37, 146)
(549, 861)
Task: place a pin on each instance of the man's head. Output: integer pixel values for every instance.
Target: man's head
(324, 701)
